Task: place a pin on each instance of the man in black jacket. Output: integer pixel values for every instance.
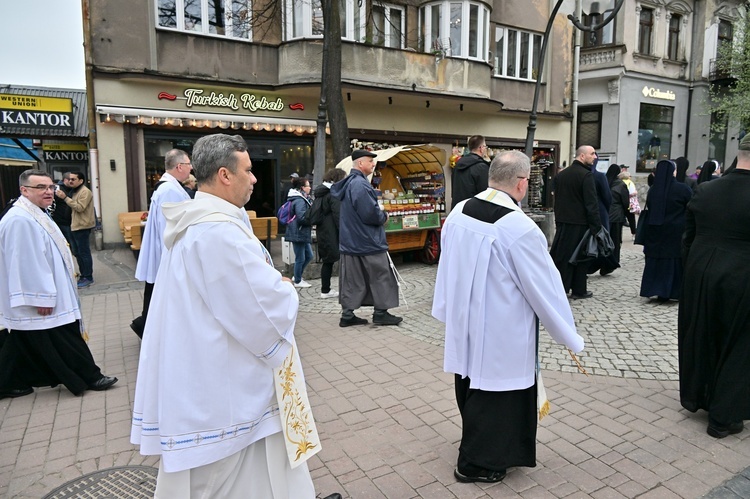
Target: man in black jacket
(469, 176)
(62, 214)
(576, 209)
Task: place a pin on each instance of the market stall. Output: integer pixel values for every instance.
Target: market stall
(411, 189)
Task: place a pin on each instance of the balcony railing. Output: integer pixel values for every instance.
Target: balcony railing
(602, 56)
(719, 72)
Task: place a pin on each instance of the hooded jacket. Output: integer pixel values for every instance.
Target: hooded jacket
(469, 177)
(361, 229)
(295, 231)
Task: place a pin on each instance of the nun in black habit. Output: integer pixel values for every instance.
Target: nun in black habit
(714, 316)
(666, 202)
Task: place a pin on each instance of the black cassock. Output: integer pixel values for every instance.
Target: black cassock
(714, 313)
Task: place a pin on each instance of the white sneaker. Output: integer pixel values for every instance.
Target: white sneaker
(331, 294)
(302, 284)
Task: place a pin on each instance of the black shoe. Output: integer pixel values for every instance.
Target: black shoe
(137, 326)
(19, 392)
(354, 321)
(486, 476)
(386, 319)
(605, 272)
(720, 431)
(103, 383)
(587, 294)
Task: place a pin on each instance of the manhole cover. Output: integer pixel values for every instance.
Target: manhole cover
(120, 482)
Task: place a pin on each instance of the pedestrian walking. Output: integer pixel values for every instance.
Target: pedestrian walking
(469, 175)
(298, 232)
(169, 189)
(663, 226)
(366, 275)
(576, 210)
(494, 279)
(714, 315)
(81, 202)
(39, 300)
(325, 215)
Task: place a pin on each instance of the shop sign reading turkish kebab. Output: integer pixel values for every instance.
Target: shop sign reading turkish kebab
(30, 111)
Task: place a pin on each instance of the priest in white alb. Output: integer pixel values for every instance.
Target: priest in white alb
(494, 279)
(219, 330)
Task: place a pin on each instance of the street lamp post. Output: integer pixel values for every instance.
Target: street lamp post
(531, 129)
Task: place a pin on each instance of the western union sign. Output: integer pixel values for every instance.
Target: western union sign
(31, 111)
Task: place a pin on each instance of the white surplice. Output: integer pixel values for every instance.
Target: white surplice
(35, 271)
(152, 245)
(221, 319)
(491, 281)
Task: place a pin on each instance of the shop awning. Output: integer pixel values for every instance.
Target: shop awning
(407, 160)
(163, 117)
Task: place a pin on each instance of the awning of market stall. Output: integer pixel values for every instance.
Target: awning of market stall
(407, 160)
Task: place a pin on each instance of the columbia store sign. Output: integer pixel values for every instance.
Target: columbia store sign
(31, 111)
(658, 94)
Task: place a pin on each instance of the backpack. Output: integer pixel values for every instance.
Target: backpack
(314, 213)
(7, 207)
(285, 213)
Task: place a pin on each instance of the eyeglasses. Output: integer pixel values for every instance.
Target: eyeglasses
(41, 187)
(187, 164)
(527, 178)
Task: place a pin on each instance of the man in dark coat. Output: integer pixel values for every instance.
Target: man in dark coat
(326, 212)
(366, 276)
(469, 176)
(714, 316)
(62, 214)
(576, 209)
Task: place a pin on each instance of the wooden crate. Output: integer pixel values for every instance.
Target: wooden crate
(407, 240)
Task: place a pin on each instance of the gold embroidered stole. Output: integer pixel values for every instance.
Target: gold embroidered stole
(297, 422)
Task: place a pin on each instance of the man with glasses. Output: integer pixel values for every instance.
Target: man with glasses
(39, 301)
(168, 190)
(469, 176)
(81, 203)
(494, 279)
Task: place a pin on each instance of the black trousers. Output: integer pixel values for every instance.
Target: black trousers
(139, 323)
(499, 428)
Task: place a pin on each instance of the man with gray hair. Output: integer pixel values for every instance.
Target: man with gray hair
(205, 397)
(168, 190)
(494, 279)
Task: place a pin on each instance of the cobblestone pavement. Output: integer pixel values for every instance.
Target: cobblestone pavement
(386, 412)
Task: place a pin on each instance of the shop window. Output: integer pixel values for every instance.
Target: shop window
(645, 31)
(388, 25)
(673, 42)
(654, 136)
(589, 127)
(230, 18)
(455, 29)
(602, 36)
(304, 19)
(516, 53)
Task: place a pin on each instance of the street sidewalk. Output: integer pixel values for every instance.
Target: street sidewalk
(386, 411)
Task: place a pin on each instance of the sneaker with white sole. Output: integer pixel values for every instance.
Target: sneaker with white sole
(331, 294)
(302, 284)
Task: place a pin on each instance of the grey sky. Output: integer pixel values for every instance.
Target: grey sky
(41, 43)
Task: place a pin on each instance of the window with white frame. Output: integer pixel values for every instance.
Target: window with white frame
(231, 18)
(516, 53)
(304, 19)
(645, 30)
(388, 25)
(455, 29)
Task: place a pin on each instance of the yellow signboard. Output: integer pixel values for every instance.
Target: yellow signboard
(36, 103)
(65, 147)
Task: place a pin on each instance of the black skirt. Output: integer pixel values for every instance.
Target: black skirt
(499, 428)
(47, 357)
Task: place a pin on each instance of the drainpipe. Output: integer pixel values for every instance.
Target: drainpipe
(93, 145)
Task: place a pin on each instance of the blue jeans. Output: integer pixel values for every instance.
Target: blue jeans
(82, 251)
(302, 256)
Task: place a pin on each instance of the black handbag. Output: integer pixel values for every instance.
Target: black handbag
(640, 228)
